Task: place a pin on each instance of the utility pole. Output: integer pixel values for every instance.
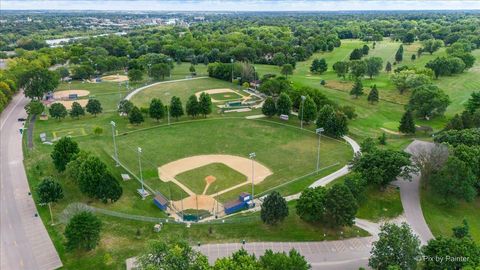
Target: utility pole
(319, 133)
(303, 103)
(114, 143)
(140, 168)
(231, 61)
(252, 157)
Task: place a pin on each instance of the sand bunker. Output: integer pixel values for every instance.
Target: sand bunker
(65, 93)
(115, 78)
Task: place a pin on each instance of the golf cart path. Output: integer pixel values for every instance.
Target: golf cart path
(25, 243)
(136, 91)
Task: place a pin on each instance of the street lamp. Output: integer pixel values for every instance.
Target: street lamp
(231, 61)
(252, 157)
(301, 120)
(140, 168)
(319, 132)
(114, 143)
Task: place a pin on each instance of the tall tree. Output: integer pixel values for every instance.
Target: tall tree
(341, 206)
(374, 65)
(308, 110)
(176, 109)
(388, 67)
(427, 101)
(172, 255)
(83, 231)
(358, 68)
(407, 124)
(284, 104)
(274, 209)
(58, 111)
(311, 204)
(159, 71)
(192, 107)
(373, 95)
(135, 75)
(135, 117)
(156, 109)
(125, 106)
(34, 107)
(357, 89)
(356, 54)
(432, 45)
(94, 106)
(49, 191)
(396, 246)
(473, 102)
(319, 66)
(269, 108)
(63, 152)
(205, 104)
(281, 260)
(287, 69)
(365, 49)
(341, 68)
(334, 123)
(36, 82)
(399, 54)
(77, 110)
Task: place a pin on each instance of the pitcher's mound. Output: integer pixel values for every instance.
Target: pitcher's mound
(210, 179)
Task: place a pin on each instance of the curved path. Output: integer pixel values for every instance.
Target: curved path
(136, 91)
(25, 243)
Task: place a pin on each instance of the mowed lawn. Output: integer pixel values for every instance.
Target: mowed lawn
(182, 89)
(286, 150)
(225, 177)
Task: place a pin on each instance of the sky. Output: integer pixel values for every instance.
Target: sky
(240, 5)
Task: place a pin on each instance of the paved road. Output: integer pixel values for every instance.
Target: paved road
(25, 243)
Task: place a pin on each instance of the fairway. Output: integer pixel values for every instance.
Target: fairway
(211, 178)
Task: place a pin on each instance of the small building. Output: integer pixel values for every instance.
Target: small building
(243, 202)
(160, 201)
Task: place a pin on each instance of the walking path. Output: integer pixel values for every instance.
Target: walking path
(25, 243)
(134, 92)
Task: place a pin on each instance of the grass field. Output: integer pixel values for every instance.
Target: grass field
(226, 96)
(225, 177)
(380, 204)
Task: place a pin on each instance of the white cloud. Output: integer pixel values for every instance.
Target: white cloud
(247, 5)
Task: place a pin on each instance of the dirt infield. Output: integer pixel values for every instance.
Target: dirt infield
(68, 104)
(215, 91)
(65, 93)
(115, 78)
(203, 202)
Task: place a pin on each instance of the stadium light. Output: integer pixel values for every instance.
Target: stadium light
(140, 168)
(319, 132)
(114, 143)
(303, 102)
(252, 157)
(231, 61)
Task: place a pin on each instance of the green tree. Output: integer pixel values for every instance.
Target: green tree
(238, 260)
(82, 72)
(454, 181)
(135, 75)
(365, 49)
(159, 71)
(358, 68)
(383, 166)
(94, 106)
(374, 65)
(63, 152)
(396, 246)
(356, 183)
(176, 109)
(83, 231)
(427, 101)
(407, 124)
(62, 72)
(368, 145)
(125, 107)
(341, 206)
(341, 68)
(156, 109)
(281, 260)
(172, 255)
(135, 117)
(319, 66)
(269, 108)
(205, 104)
(49, 191)
(275, 86)
(334, 123)
(399, 54)
(356, 54)
(192, 107)
(58, 111)
(473, 102)
(274, 209)
(192, 70)
(36, 82)
(311, 204)
(388, 67)
(432, 45)
(284, 104)
(408, 79)
(34, 107)
(287, 69)
(77, 110)
(373, 95)
(308, 110)
(357, 89)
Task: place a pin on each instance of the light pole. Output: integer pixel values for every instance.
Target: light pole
(140, 168)
(252, 157)
(114, 143)
(319, 132)
(303, 103)
(231, 61)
